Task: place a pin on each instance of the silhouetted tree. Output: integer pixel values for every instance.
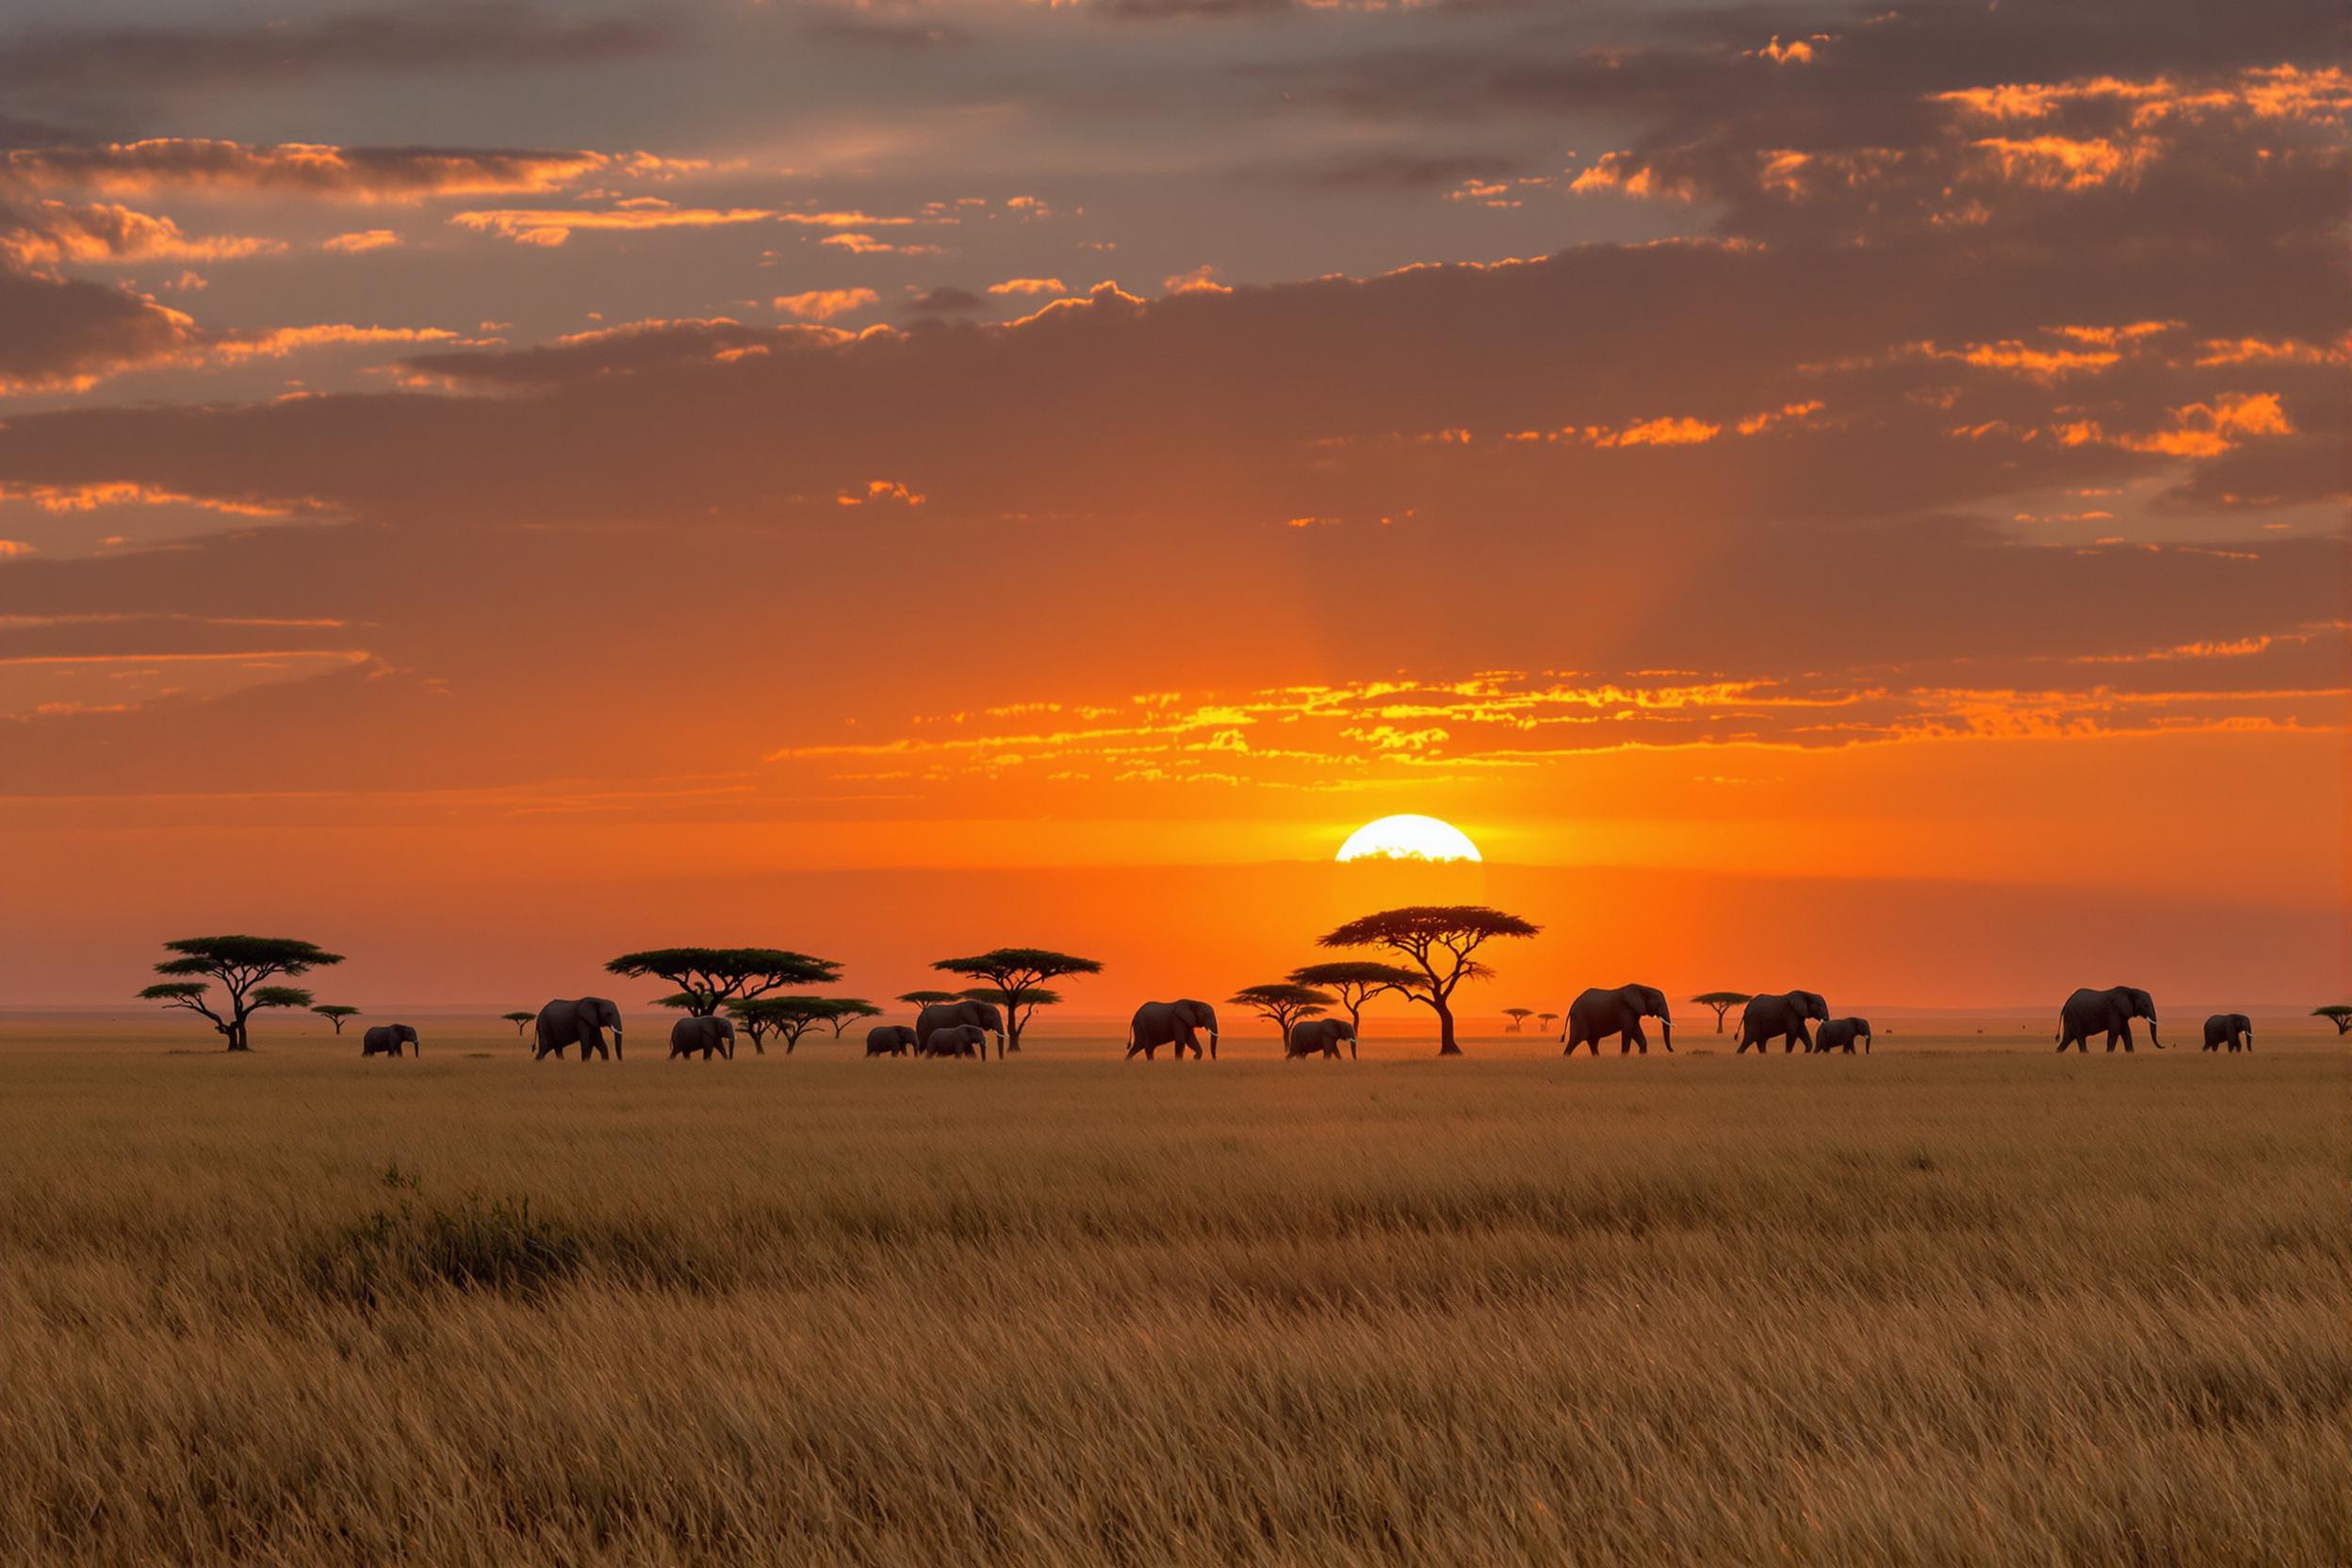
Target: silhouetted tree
(848, 1010)
(710, 977)
(2339, 1017)
(1723, 1001)
(1027, 1000)
(1440, 940)
(520, 1021)
(1283, 1005)
(1354, 981)
(1010, 970)
(239, 964)
(1546, 1021)
(920, 1000)
(335, 1014)
(1518, 1016)
(788, 1018)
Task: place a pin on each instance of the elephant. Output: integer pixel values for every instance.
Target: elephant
(706, 1035)
(1598, 1014)
(889, 1039)
(581, 1022)
(1840, 1033)
(2087, 1012)
(1319, 1037)
(2228, 1029)
(949, 1015)
(1177, 1023)
(956, 1039)
(385, 1039)
(1780, 1016)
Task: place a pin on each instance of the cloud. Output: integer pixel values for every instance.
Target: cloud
(866, 245)
(947, 302)
(306, 168)
(1030, 287)
(49, 233)
(822, 305)
(554, 225)
(360, 241)
(56, 331)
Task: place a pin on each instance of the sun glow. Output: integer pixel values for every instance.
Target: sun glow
(1408, 838)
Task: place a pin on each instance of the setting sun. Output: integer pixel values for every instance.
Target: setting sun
(1408, 838)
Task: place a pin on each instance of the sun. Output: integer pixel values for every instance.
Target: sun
(1409, 838)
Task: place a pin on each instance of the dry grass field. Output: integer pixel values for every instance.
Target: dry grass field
(1936, 1305)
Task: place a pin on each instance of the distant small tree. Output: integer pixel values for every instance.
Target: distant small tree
(925, 999)
(1518, 1016)
(1723, 1001)
(710, 977)
(848, 1010)
(1283, 1005)
(1354, 981)
(1026, 1001)
(336, 1015)
(788, 1018)
(1545, 1020)
(1010, 970)
(2339, 1017)
(239, 964)
(520, 1021)
(1439, 938)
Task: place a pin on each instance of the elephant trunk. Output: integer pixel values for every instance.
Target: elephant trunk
(1212, 1045)
(616, 1044)
(2152, 1035)
(1666, 1029)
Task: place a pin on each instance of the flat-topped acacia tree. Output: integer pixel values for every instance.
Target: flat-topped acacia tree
(241, 966)
(2339, 1017)
(1518, 1016)
(920, 1000)
(1354, 981)
(788, 1018)
(520, 1021)
(1283, 1005)
(1438, 940)
(1723, 1001)
(1010, 970)
(710, 977)
(848, 1010)
(337, 1014)
(1022, 1002)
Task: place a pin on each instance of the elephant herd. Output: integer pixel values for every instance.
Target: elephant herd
(963, 1029)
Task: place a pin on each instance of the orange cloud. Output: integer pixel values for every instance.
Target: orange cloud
(554, 225)
(52, 232)
(822, 305)
(350, 173)
(1654, 433)
(866, 245)
(1029, 285)
(2059, 163)
(361, 241)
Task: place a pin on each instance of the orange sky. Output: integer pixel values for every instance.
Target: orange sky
(1856, 503)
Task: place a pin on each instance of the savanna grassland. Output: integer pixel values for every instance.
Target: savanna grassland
(1928, 1306)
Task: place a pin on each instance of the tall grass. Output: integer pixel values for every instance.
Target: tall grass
(1897, 1309)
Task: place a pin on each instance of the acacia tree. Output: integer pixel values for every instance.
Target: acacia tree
(920, 1000)
(1023, 1003)
(1009, 971)
(336, 1015)
(241, 965)
(1518, 1016)
(1545, 1020)
(788, 1018)
(848, 1010)
(1439, 938)
(710, 977)
(1283, 1005)
(520, 1021)
(1354, 981)
(2339, 1017)
(1723, 1001)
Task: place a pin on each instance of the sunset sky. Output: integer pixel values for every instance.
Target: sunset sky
(1849, 498)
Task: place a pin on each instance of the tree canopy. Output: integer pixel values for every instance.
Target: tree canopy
(1282, 1004)
(239, 964)
(519, 1018)
(924, 999)
(2340, 1017)
(1354, 981)
(1018, 1004)
(849, 1009)
(790, 1016)
(1721, 1002)
(336, 1013)
(710, 977)
(1011, 970)
(1439, 938)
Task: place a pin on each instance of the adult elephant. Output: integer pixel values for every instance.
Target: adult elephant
(889, 1039)
(1780, 1016)
(385, 1039)
(2228, 1029)
(956, 1039)
(706, 1035)
(580, 1021)
(1319, 1037)
(1598, 1014)
(2089, 1012)
(1839, 1034)
(1178, 1024)
(958, 1015)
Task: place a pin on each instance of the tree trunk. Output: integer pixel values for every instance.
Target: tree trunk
(238, 1040)
(1445, 1046)
(1012, 1028)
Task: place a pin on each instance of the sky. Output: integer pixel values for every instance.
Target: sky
(1825, 496)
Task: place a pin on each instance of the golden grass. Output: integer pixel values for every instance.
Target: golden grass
(1904, 1309)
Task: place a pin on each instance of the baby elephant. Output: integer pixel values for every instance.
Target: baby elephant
(956, 1039)
(889, 1039)
(1319, 1037)
(385, 1039)
(2228, 1029)
(1839, 1034)
(706, 1035)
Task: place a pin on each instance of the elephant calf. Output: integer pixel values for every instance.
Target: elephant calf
(2228, 1029)
(889, 1039)
(959, 1039)
(706, 1035)
(1838, 1033)
(385, 1039)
